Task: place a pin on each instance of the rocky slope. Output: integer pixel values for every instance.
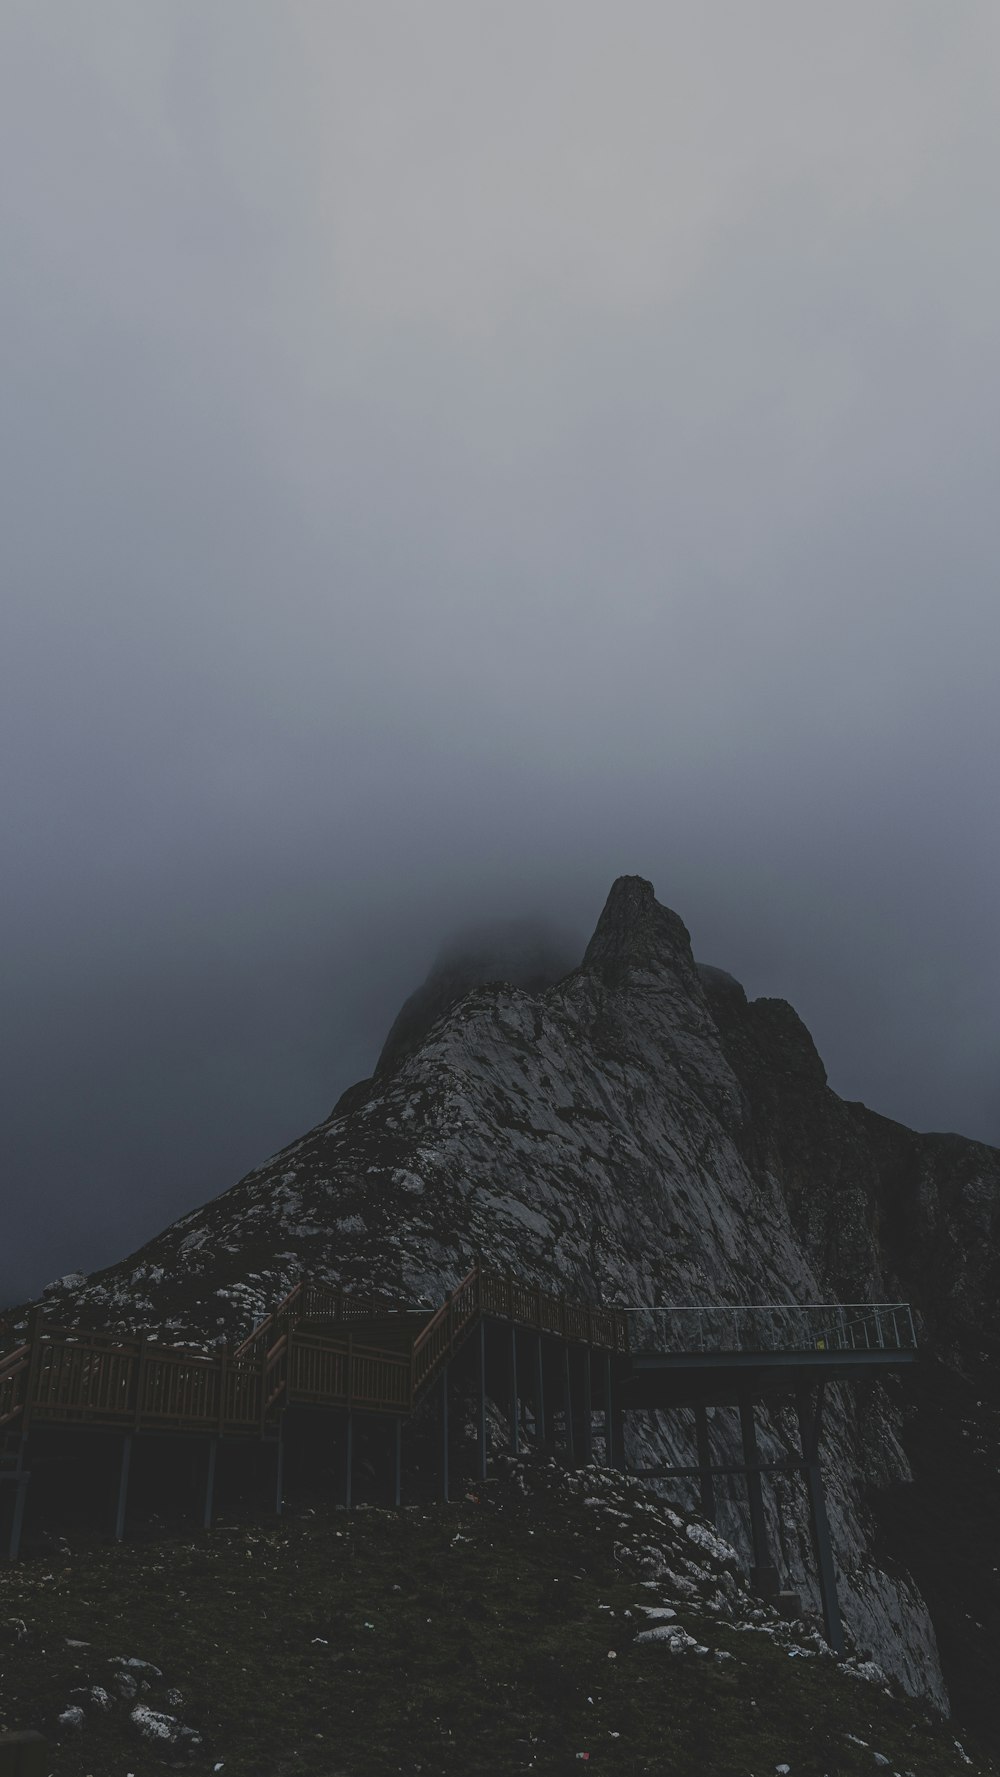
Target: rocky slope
(546, 1619)
(636, 1132)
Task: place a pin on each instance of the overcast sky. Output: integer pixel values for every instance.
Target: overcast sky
(453, 454)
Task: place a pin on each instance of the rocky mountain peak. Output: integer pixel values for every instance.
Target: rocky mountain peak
(635, 932)
(631, 1131)
(530, 954)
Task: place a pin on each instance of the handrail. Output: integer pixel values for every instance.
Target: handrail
(721, 1327)
(305, 1351)
(13, 1365)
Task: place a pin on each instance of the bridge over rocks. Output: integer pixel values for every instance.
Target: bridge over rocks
(330, 1370)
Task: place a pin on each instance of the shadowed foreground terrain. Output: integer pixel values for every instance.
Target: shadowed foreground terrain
(499, 1634)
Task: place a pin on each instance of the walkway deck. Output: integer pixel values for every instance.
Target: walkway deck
(326, 1349)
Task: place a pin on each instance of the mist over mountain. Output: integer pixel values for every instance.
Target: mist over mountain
(637, 1131)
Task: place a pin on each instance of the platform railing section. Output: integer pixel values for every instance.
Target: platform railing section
(507, 1298)
(795, 1327)
(312, 1351)
(79, 1378)
(13, 1382)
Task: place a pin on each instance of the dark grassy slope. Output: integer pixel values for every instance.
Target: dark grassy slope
(946, 1529)
(476, 1638)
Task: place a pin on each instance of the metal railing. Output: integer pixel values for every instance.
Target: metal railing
(773, 1326)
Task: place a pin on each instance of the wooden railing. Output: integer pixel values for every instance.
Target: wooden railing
(509, 1299)
(13, 1378)
(306, 1353)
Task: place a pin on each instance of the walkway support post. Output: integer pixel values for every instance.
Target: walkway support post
(810, 1429)
(609, 1424)
(704, 1462)
(539, 1390)
(17, 1519)
(764, 1578)
(444, 1434)
(568, 1405)
(209, 1495)
(348, 1456)
(515, 1428)
(586, 1422)
(122, 1503)
(397, 1461)
(482, 1400)
(279, 1467)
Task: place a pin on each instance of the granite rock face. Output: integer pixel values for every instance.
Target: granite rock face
(635, 1132)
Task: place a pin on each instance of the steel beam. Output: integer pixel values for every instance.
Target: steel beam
(539, 1391)
(515, 1425)
(348, 1457)
(279, 1467)
(17, 1518)
(704, 1463)
(765, 1577)
(810, 1428)
(587, 1422)
(444, 1434)
(482, 1400)
(209, 1494)
(122, 1502)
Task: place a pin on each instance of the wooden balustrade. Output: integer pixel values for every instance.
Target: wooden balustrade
(304, 1352)
(13, 1375)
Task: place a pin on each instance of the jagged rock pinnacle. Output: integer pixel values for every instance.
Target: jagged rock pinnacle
(634, 930)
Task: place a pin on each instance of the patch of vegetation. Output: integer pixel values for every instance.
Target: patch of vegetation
(495, 1635)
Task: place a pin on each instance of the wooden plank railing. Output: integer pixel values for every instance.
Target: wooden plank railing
(13, 1378)
(509, 1299)
(305, 1352)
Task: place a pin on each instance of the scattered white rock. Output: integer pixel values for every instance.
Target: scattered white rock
(161, 1729)
(72, 1717)
(865, 1669)
(677, 1639)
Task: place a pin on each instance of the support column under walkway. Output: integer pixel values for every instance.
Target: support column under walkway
(810, 1414)
(764, 1574)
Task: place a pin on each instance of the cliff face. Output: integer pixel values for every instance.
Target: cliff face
(637, 1133)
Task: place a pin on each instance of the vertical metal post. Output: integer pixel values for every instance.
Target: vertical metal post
(123, 1487)
(482, 1400)
(810, 1429)
(764, 1574)
(587, 1422)
(17, 1520)
(444, 1434)
(539, 1389)
(348, 1456)
(210, 1455)
(704, 1463)
(397, 1479)
(609, 1427)
(279, 1467)
(568, 1405)
(515, 1427)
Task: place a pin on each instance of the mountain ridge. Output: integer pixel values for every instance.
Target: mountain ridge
(637, 1131)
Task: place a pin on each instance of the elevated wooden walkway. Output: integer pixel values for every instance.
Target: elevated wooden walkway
(320, 1347)
(332, 1351)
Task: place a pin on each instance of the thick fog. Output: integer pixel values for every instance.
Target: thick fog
(453, 455)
